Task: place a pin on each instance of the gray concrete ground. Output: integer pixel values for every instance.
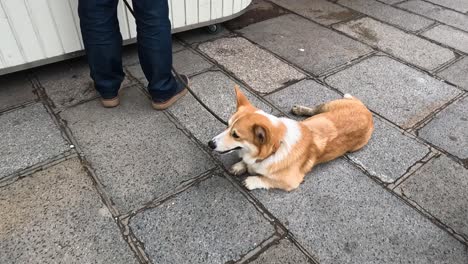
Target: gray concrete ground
(84, 184)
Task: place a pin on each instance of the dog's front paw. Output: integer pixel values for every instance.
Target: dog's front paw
(238, 169)
(254, 182)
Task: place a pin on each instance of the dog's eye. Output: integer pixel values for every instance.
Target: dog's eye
(234, 134)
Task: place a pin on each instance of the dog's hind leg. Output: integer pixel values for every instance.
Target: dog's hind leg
(300, 110)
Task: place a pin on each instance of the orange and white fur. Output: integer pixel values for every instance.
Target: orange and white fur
(279, 152)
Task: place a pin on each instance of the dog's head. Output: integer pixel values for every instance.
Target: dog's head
(256, 133)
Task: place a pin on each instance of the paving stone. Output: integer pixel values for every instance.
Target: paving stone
(28, 136)
(189, 63)
(456, 73)
(400, 93)
(441, 188)
(438, 13)
(449, 129)
(255, 66)
(56, 216)
(284, 252)
(306, 93)
(137, 153)
(389, 153)
(196, 119)
(130, 52)
(389, 14)
(405, 46)
(200, 35)
(449, 36)
(341, 216)
(320, 11)
(209, 223)
(312, 47)
(258, 10)
(15, 89)
(459, 5)
(68, 82)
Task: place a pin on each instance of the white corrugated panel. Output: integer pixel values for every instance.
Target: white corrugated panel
(204, 10)
(227, 7)
(178, 13)
(216, 9)
(10, 54)
(191, 11)
(23, 30)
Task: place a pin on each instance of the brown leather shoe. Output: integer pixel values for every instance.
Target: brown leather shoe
(109, 103)
(112, 102)
(166, 104)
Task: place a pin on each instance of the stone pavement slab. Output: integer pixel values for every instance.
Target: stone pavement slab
(68, 82)
(389, 153)
(196, 119)
(136, 152)
(438, 13)
(28, 136)
(342, 216)
(189, 63)
(441, 188)
(396, 91)
(456, 73)
(56, 216)
(284, 252)
(306, 92)
(304, 43)
(185, 62)
(209, 223)
(459, 5)
(15, 89)
(258, 10)
(405, 46)
(449, 36)
(320, 11)
(389, 14)
(449, 129)
(253, 65)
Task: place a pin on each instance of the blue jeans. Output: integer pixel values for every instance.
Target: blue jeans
(103, 45)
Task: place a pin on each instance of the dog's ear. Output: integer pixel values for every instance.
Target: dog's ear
(260, 134)
(241, 98)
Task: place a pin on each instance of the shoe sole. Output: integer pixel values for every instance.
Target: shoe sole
(113, 102)
(110, 103)
(168, 103)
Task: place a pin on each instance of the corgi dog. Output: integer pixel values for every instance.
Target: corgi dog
(279, 152)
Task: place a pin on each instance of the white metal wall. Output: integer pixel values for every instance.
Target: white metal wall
(34, 30)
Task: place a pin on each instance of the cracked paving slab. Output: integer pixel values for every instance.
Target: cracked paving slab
(320, 11)
(398, 92)
(398, 43)
(441, 187)
(449, 129)
(28, 136)
(56, 216)
(136, 152)
(253, 65)
(342, 216)
(312, 47)
(211, 222)
(15, 90)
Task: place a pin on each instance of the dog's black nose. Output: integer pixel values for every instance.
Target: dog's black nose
(212, 144)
